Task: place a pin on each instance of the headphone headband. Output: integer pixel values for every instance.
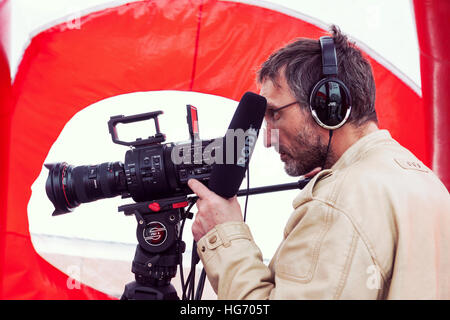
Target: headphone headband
(329, 59)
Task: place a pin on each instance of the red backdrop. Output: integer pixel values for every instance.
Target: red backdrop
(5, 121)
(433, 23)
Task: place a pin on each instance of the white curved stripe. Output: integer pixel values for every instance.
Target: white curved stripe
(403, 59)
(394, 46)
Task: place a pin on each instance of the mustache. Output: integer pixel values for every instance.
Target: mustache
(282, 149)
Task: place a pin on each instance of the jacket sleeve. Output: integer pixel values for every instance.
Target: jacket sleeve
(322, 256)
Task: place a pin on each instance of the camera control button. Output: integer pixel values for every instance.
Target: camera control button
(154, 206)
(183, 174)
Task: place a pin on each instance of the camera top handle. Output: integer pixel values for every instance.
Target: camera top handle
(157, 138)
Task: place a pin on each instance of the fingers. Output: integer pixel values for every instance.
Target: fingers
(199, 189)
(197, 231)
(212, 209)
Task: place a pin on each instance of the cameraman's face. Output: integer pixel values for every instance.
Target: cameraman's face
(292, 131)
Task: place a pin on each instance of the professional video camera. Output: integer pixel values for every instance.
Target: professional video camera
(150, 172)
(155, 176)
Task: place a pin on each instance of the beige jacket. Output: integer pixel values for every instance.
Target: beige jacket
(375, 226)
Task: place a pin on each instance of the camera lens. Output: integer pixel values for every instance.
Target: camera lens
(68, 186)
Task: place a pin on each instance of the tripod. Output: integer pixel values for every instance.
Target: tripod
(159, 250)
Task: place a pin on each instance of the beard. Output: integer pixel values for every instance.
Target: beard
(306, 153)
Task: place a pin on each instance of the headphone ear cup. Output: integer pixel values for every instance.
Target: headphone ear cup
(330, 103)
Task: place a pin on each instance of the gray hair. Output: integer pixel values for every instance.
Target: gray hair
(302, 64)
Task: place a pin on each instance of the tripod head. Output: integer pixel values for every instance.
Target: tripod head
(159, 250)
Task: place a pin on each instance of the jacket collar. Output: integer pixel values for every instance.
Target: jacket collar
(350, 156)
(360, 147)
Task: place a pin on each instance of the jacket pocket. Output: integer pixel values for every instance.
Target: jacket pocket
(298, 254)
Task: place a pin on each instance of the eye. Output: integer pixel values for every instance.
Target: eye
(272, 114)
(275, 115)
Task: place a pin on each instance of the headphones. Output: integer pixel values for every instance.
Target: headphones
(330, 101)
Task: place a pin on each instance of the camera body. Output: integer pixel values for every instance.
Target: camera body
(151, 172)
(152, 169)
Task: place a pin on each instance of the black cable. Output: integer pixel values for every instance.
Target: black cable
(195, 259)
(328, 149)
(246, 196)
(183, 284)
(201, 285)
(187, 289)
(183, 289)
(190, 281)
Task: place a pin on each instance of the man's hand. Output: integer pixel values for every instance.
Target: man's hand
(212, 209)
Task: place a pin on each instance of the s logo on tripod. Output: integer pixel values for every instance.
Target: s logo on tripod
(155, 233)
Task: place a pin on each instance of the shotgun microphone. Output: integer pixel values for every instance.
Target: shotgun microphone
(238, 145)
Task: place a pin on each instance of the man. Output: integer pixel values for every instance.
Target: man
(374, 223)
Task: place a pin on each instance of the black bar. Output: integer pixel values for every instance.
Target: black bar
(300, 184)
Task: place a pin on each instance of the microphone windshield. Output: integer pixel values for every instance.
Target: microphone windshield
(238, 145)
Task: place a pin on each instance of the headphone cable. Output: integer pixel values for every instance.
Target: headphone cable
(328, 149)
